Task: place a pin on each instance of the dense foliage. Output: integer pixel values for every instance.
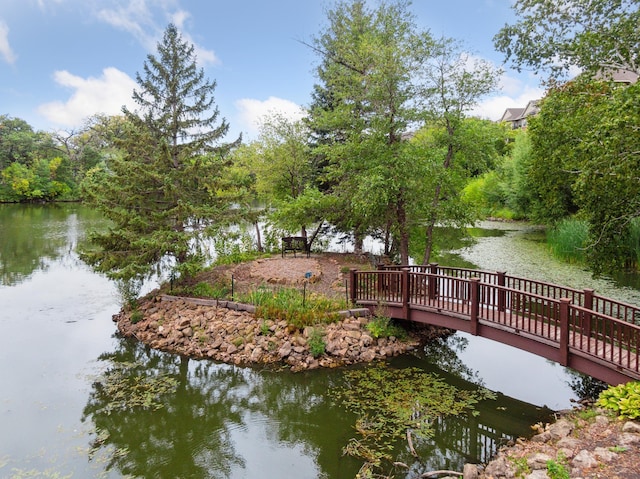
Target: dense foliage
(386, 148)
(595, 36)
(623, 399)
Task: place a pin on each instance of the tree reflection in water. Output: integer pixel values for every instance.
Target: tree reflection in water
(188, 436)
(196, 430)
(224, 421)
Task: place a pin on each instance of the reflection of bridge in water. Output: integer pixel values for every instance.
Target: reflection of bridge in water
(477, 438)
(592, 334)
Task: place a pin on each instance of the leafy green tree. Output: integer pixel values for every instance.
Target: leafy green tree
(39, 181)
(166, 191)
(585, 161)
(593, 35)
(380, 76)
(89, 146)
(363, 107)
(453, 82)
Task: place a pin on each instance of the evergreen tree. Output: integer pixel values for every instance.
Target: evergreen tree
(165, 191)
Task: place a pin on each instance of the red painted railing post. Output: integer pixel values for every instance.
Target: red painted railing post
(564, 331)
(502, 294)
(405, 293)
(352, 286)
(474, 306)
(433, 280)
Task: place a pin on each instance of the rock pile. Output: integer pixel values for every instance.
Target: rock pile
(603, 447)
(231, 333)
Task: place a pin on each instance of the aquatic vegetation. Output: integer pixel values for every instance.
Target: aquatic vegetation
(125, 387)
(394, 403)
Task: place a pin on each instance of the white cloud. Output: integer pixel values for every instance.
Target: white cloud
(493, 107)
(91, 96)
(515, 93)
(5, 49)
(136, 18)
(253, 112)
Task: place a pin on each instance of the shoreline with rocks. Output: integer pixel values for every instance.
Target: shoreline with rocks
(230, 332)
(587, 444)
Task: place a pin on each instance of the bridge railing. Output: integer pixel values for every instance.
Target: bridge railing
(586, 297)
(581, 321)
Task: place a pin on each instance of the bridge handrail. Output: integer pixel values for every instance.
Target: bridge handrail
(587, 297)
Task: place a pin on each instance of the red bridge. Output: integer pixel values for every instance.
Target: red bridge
(579, 329)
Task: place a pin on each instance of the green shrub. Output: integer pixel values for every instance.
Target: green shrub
(136, 316)
(623, 399)
(383, 327)
(520, 465)
(558, 469)
(317, 345)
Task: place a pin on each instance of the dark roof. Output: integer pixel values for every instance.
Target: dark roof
(512, 114)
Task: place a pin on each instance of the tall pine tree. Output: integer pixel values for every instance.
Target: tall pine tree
(164, 192)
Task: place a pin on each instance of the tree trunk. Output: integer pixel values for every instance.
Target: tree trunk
(403, 230)
(258, 238)
(358, 242)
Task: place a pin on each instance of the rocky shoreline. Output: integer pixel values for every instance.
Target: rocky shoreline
(586, 444)
(230, 332)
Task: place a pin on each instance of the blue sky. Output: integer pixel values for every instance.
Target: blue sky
(64, 60)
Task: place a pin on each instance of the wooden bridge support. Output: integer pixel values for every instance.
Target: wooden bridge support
(474, 299)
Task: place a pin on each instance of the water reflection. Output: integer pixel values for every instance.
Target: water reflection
(33, 236)
(221, 421)
(224, 421)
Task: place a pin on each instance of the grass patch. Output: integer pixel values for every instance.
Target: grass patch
(568, 239)
(291, 305)
(218, 290)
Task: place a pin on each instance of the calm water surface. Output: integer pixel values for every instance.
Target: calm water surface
(57, 420)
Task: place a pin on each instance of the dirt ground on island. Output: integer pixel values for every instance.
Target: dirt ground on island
(324, 273)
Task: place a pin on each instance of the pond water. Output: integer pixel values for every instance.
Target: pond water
(60, 355)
